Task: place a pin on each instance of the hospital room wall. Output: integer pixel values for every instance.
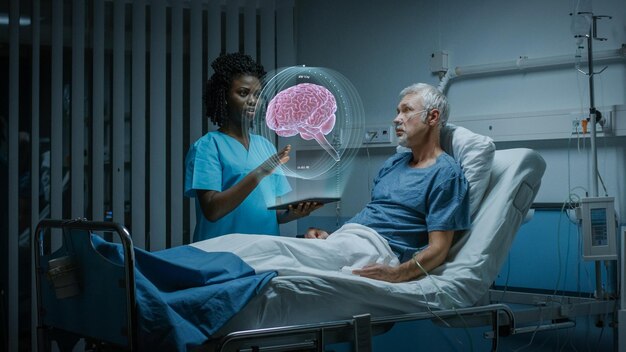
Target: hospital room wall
(381, 49)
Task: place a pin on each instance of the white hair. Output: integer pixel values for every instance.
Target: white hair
(432, 98)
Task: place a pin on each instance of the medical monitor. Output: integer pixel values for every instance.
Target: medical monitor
(598, 228)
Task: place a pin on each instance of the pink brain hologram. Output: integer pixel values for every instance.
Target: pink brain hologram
(306, 109)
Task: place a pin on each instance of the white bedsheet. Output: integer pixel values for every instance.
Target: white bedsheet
(352, 245)
(315, 283)
(315, 277)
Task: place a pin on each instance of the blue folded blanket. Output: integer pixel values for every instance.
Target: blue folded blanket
(184, 295)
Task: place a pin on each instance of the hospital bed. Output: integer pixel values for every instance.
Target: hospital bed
(313, 300)
(299, 297)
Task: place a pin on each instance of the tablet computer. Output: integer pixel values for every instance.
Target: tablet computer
(323, 200)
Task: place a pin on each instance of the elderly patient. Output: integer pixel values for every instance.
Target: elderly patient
(420, 198)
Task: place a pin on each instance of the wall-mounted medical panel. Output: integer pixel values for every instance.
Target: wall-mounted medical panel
(545, 125)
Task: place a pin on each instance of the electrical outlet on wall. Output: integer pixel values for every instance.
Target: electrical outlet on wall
(605, 125)
(377, 134)
(576, 124)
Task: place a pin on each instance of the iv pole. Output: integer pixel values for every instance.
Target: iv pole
(594, 117)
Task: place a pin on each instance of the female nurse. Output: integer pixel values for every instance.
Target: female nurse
(230, 172)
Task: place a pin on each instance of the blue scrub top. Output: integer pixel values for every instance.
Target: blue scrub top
(217, 162)
(408, 203)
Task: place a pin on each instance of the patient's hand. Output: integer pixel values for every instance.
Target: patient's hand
(313, 232)
(381, 272)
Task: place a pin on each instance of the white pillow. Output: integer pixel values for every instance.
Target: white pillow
(475, 154)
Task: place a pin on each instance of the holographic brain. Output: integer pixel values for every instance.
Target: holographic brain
(307, 109)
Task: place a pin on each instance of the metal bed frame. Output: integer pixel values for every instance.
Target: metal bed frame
(557, 311)
(76, 316)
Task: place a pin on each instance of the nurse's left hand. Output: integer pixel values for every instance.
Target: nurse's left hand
(380, 272)
(274, 161)
(304, 209)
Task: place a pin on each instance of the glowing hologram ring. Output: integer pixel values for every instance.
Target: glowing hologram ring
(299, 105)
(307, 109)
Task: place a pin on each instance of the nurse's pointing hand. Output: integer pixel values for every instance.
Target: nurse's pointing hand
(275, 160)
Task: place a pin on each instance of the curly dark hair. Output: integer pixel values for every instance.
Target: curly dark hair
(226, 68)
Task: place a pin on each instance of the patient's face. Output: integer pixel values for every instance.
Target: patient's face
(410, 127)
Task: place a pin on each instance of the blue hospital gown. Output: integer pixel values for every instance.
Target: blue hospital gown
(217, 162)
(408, 203)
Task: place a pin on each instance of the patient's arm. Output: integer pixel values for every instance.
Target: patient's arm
(435, 254)
(439, 243)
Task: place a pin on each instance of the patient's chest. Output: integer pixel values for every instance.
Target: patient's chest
(404, 187)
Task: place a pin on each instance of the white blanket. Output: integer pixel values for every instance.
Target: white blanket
(311, 271)
(352, 246)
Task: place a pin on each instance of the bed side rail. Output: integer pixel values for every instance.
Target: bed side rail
(359, 330)
(305, 337)
(79, 292)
